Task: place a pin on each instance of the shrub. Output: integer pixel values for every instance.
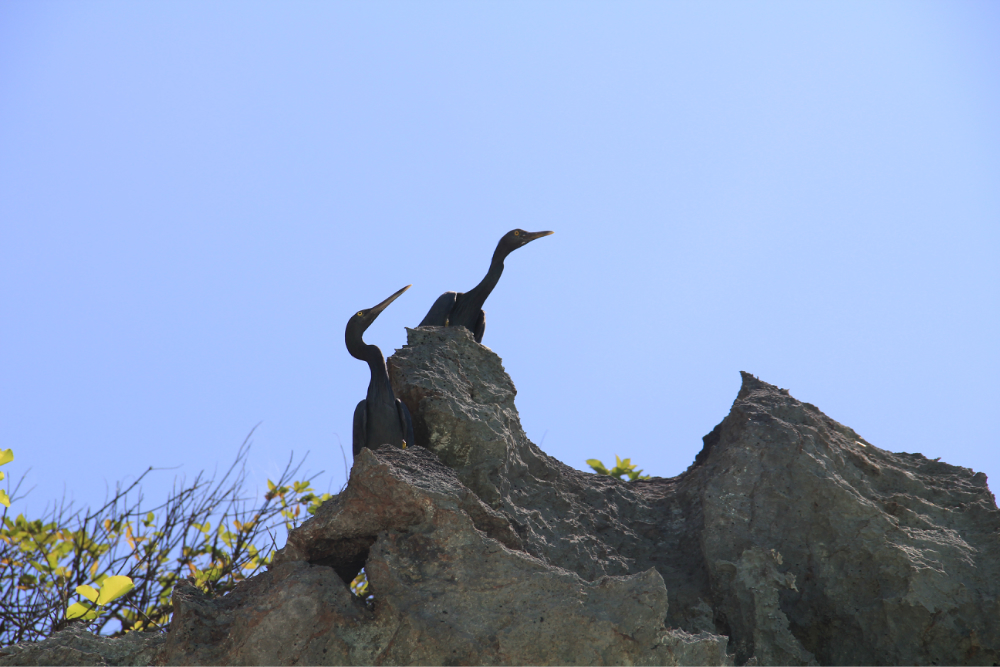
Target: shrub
(625, 467)
(47, 562)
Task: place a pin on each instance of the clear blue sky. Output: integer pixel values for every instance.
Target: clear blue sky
(194, 198)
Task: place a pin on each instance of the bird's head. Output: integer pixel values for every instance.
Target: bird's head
(516, 238)
(363, 319)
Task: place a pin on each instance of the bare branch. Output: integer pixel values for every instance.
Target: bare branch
(121, 537)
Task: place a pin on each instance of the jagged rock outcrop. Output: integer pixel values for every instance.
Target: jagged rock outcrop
(462, 402)
(895, 557)
(790, 534)
(790, 540)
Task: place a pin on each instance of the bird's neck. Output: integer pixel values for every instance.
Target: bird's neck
(476, 297)
(379, 388)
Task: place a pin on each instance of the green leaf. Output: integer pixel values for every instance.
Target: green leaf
(6, 456)
(88, 592)
(598, 466)
(114, 588)
(38, 566)
(316, 502)
(82, 610)
(622, 467)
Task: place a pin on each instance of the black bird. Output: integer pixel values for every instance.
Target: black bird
(465, 309)
(381, 418)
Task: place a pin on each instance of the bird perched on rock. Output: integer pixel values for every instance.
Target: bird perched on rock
(465, 309)
(381, 418)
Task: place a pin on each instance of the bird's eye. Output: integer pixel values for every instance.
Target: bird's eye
(360, 313)
(517, 233)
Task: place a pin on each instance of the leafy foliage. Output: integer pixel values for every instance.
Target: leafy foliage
(91, 553)
(112, 589)
(6, 456)
(625, 467)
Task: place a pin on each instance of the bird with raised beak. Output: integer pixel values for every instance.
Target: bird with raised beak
(380, 418)
(465, 309)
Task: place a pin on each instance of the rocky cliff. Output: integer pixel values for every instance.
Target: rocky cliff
(790, 540)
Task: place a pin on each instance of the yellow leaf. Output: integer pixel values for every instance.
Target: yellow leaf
(88, 592)
(598, 467)
(81, 610)
(114, 588)
(2, 474)
(6, 456)
(4, 498)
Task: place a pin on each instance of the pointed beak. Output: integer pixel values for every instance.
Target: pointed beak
(374, 312)
(531, 236)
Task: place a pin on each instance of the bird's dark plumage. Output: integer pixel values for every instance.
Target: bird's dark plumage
(380, 418)
(453, 309)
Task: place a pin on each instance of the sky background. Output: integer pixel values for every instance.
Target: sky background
(195, 197)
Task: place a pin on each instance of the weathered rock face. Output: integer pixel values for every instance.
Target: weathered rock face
(462, 403)
(895, 557)
(452, 582)
(76, 646)
(790, 540)
(790, 534)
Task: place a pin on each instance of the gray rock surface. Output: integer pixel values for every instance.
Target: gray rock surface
(453, 585)
(75, 646)
(895, 557)
(462, 402)
(790, 540)
(790, 534)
